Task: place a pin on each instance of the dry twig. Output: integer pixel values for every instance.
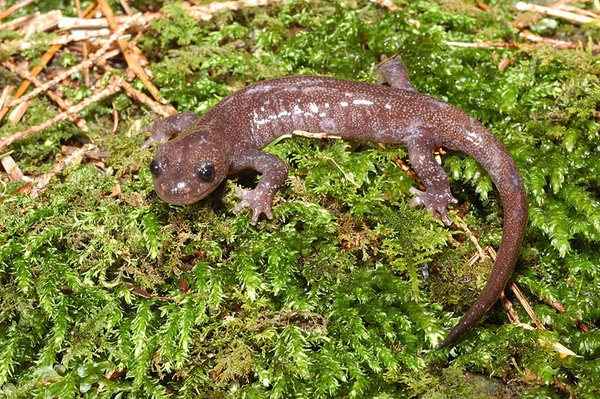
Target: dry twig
(5, 94)
(41, 183)
(126, 7)
(558, 44)
(43, 62)
(126, 49)
(15, 8)
(513, 317)
(554, 12)
(34, 72)
(65, 74)
(163, 110)
(109, 90)
(205, 12)
(12, 169)
(528, 309)
(463, 225)
(482, 44)
(63, 104)
(20, 22)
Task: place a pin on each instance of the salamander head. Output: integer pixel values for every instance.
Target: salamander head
(188, 169)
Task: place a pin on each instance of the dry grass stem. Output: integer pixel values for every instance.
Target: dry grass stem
(12, 169)
(513, 317)
(62, 103)
(205, 12)
(107, 91)
(128, 53)
(41, 183)
(65, 74)
(558, 13)
(15, 8)
(45, 59)
(20, 22)
(528, 309)
(5, 95)
(473, 239)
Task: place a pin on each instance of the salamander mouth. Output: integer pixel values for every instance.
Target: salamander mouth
(177, 200)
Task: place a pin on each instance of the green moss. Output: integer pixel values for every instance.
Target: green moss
(106, 291)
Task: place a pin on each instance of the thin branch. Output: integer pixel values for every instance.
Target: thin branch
(558, 44)
(12, 169)
(41, 183)
(75, 36)
(126, 7)
(109, 90)
(513, 317)
(411, 173)
(163, 110)
(34, 72)
(130, 57)
(14, 9)
(44, 22)
(65, 74)
(318, 136)
(207, 11)
(472, 237)
(63, 104)
(5, 94)
(537, 41)
(528, 309)
(553, 12)
(20, 22)
(43, 62)
(481, 44)
(576, 10)
(86, 50)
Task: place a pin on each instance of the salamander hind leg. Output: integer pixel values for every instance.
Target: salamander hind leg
(437, 195)
(392, 72)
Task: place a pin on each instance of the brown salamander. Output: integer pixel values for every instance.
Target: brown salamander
(229, 138)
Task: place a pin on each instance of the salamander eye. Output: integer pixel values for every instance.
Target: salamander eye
(205, 171)
(158, 166)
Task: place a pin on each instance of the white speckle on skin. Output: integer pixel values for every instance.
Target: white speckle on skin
(313, 107)
(362, 102)
(388, 106)
(474, 138)
(326, 105)
(344, 104)
(179, 188)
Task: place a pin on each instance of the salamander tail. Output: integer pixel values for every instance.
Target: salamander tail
(494, 158)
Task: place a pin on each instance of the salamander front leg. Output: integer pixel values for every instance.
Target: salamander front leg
(273, 173)
(164, 129)
(437, 195)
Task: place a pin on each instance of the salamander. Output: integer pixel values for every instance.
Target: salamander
(199, 152)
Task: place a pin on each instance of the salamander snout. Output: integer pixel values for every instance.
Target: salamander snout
(183, 175)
